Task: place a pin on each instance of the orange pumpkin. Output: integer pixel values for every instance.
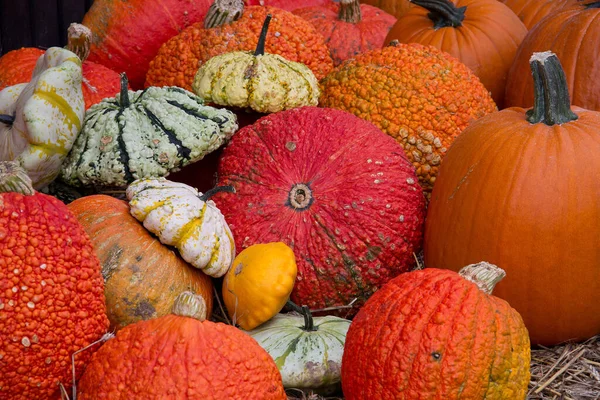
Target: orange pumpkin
(349, 28)
(181, 356)
(482, 34)
(520, 188)
(142, 276)
(573, 35)
(395, 7)
(290, 36)
(533, 11)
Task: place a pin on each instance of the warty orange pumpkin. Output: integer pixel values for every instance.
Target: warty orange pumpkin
(482, 34)
(142, 277)
(51, 291)
(290, 36)
(417, 94)
(436, 334)
(572, 34)
(349, 28)
(520, 188)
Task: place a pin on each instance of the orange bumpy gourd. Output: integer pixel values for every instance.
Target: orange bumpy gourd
(51, 291)
(417, 94)
(290, 36)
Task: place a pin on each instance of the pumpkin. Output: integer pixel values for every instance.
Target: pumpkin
(571, 34)
(417, 94)
(308, 351)
(290, 36)
(98, 81)
(437, 334)
(40, 120)
(397, 8)
(265, 83)
(142, 278)
(52, 301)
(482, 34)
(259, 283)
(513, 191)
(181, 356)
(288, 5)
(533, 11)
(336, 190)
(128, 33)
(144, 134)
(348, 27)
(188, 220)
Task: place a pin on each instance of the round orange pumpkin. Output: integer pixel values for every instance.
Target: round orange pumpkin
(289, 35)
(417, 94)
(51, 291)
(397, 8)
(349, 28)
(520, 189)
(16, 66)
(573, 35)
(533, 11)
(181, 356)
(142, 277)
(482, 34)
(436, 334)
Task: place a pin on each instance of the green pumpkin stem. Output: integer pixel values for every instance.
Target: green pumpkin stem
(551, 102)
(309, 325)
(350, 11)
(79, 39)
(191, 305)
(484, 275)
(210, 193)
(443, 13)
(13, 178)
(223, 12)
(260, 47)
(124, 98)
(7, 119)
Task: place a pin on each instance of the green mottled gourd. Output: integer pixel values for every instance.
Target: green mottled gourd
(265, 83)
(148, 133)
(308, 351)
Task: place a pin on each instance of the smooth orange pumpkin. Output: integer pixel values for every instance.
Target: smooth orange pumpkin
(520, 189)
(142, 277)
(573, 35)
(533, 11)
(395, 7)
(483, 34)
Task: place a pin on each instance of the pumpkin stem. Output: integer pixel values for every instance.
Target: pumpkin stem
(124, 94)
(260, 46)
(189, 304)
(309, 325)
(7, 119)
(13, 178)
(215, 190)
(300, 197)
(594, 4)
(350, 11)
(79, 39)
(443, 13)
(484, 275)
(223, 12)
(551, 102)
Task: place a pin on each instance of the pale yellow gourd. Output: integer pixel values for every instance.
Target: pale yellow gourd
(259, 283)
(40, 120)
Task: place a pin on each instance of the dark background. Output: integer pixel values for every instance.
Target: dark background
(38, 23)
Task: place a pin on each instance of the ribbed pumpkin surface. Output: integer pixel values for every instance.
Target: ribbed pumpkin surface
(533, 11)
(431, 334)
(290, 36)
(142, 276)
(16, 66)
(288, 5)
(177, 357)
(335, 189)
(417, 94)
(51, 296)
(395, 7)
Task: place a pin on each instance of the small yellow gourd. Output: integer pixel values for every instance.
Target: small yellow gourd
(259, 283)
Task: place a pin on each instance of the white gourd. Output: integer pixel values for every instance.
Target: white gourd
(184, 218)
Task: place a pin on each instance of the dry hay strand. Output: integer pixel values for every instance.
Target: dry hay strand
(570, 371)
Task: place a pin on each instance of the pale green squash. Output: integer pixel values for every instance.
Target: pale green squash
(307, 350)
(144, 134)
